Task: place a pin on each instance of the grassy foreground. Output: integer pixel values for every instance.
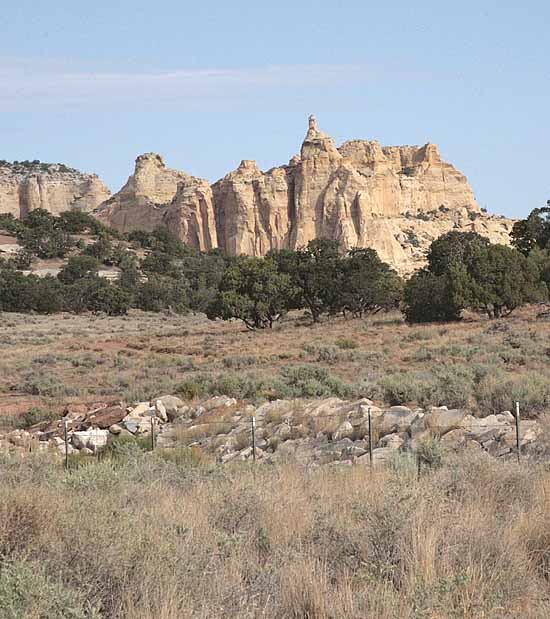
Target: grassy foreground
(155, 536)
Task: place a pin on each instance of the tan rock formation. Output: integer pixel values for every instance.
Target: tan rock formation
(27, 186)
(396, 199)
(159, 196)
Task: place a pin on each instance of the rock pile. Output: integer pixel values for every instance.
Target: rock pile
(309, 432)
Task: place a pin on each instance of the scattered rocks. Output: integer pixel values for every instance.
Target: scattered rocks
(318, 432)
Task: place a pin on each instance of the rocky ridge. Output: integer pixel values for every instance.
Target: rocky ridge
(318, 432)
(156, 195)
(25, 186)
(396, 199)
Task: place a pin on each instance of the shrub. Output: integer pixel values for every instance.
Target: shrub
(162, 293)
(450, 386)
(36, 415)
(346, 343)
(497, 392)
(43, 384)
(26, 590)
(78, 267)
(431, 451)
(313, 381)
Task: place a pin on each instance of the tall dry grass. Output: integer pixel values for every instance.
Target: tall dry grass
(143, 538)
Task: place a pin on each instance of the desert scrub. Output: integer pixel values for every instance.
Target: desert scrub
(186, 436)
(44, 384)
(498, 391)
(294, 381)
(346, 343)
(238, 362)
(279, 541)
(326, 353)
(450, 386)
(431, 451)
(36, 415)
(26, 590)
(313, 381)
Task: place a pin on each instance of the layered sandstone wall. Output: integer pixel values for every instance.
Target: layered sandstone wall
(395, 199)
(155, 195)
(54, 187)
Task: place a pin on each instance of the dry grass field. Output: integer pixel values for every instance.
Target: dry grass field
(48, 361)
(144, 536)
(170, 535)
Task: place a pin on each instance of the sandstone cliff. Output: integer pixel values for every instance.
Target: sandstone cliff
(155, 195)
(396, 199)
(30, 185)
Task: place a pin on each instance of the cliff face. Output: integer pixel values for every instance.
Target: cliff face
(159, 196)
(396, 199)
(54, 187)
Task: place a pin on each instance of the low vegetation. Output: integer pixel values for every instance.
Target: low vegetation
(138, 535)
(169, 534)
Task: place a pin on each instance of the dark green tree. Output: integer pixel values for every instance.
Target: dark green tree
(94, 294)
(102, 250)
(42, 236)
(455, 248)
(368, 285)
(503, 280)
(29, 293)
(79, 267)
(436, 298)
(532, 232)
(162, 294)
(315, 272)
(252, 290)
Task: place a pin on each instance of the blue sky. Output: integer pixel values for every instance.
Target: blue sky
(210, 83)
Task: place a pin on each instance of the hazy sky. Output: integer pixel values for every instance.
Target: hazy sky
(94, 84)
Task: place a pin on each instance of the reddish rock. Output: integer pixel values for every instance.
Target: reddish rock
(106, 417)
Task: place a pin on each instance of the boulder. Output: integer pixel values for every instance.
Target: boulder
(219, 401)
(19, 438)
(455, 438)
(381, 455)
(106, 417)
(140, 410)
(94, 439)
(61, 449)
(173, 406)
(393, 441)
(345, 430)
(397, 419)
(442, 420)
(160, 410)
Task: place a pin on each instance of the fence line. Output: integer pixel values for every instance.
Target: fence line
(373, 423)
(480, 427)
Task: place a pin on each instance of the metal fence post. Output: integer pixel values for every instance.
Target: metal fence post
(254, 440)
(517, 431)
(152, 434)
(370, 435)
(66, 439)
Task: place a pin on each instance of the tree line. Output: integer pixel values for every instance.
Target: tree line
(160, 273)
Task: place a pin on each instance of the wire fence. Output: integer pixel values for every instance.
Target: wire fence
(368, 427)
(376, 426)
